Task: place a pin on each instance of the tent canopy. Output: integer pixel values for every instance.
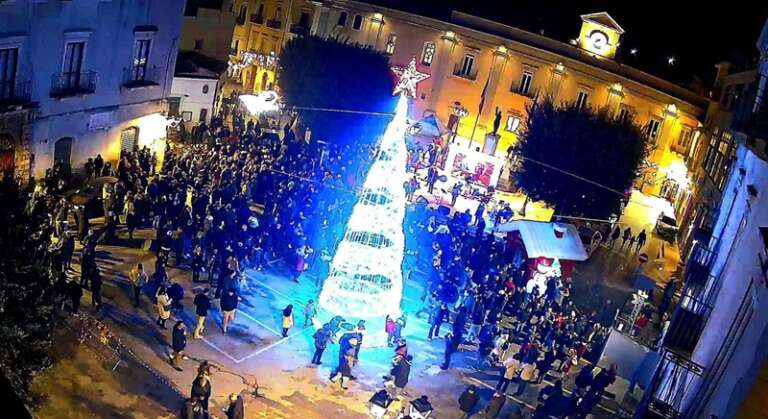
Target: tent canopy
(540, 239)
(432, 127)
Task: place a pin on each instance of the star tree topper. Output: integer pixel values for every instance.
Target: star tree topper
(409, 76)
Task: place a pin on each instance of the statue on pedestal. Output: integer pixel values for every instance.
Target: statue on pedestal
(496, 122)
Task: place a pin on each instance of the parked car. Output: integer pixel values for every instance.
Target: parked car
(666, 227)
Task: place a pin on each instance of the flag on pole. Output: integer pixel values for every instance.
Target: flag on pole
(482, 95)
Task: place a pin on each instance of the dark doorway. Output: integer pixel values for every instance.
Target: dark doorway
(62, 152)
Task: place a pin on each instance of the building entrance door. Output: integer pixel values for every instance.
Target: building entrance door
(62, 152)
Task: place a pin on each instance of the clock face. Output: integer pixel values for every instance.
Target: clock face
(598, 40)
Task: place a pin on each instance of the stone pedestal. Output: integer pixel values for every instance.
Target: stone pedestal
(491, 142)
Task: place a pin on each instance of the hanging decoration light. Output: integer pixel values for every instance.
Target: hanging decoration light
(409, 77)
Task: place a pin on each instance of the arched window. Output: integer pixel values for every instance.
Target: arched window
(357, 23)
(342, 19)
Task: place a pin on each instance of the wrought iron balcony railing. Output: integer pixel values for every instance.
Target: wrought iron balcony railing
(138, 76)
(460, 71)
(274, 24)
(257, 19)
(14, 92)
(73, 83)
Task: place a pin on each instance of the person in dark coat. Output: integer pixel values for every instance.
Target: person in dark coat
(201, 389)
(96, 284)
(67, 250)
(493, 409)
(176, 293)
(179, 342)
(401, 374)
(440, 316)
(236, 409)
(451, 345)
(468, 401)
(583, 379)
(192, 409)
(202, 304)
(321, 337)
(75, 294)
(197, 263)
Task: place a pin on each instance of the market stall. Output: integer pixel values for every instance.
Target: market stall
(546, 249)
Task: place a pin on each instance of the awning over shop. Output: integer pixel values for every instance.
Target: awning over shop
(547, 240)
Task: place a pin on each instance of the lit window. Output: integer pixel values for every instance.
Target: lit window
(357, 23)
(684, 140)
(391, 44)
(625, 114)
(467, 66)
(525, 83)
(653, 128)
(342, 19)
(428, 54)
(582, 101)
(140, 59)
(513, 123)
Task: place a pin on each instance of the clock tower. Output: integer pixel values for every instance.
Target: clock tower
(600, 34)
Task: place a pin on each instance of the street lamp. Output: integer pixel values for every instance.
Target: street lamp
(458, 111)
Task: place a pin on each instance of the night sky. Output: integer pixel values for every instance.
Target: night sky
(697, 36)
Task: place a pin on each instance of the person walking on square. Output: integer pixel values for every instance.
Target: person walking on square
(451, 345)
(96, 284)
(441, 315)
(202, 304)
(228, 304)
(201, 389)
(627, 234)
(401, 374)
(389, 328)
(615, 236)
(287, 319)
(138, 279)
(468, 401)
(455, 192)
(310, 311)
(178, 344)
(236, 408)
(346, 363)
(321, 337)
(197, 263)
(163, 305)
(641, 238)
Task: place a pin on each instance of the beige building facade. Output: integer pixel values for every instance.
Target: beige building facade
(468, 55)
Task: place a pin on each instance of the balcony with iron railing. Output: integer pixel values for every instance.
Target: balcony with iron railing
(274, 24)
(298, 29)
(240, 21)
(530, 93)
(257, 19)
(693, 309)
(14, 93)
(460, 71)
(138, 76)
(73, 84)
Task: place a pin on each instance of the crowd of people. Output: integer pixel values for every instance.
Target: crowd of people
(237, 199)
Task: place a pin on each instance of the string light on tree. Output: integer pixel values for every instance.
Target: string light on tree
(366, 277)
(409, 76)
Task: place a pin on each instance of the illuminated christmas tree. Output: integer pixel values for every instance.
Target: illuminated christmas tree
(366, 278)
